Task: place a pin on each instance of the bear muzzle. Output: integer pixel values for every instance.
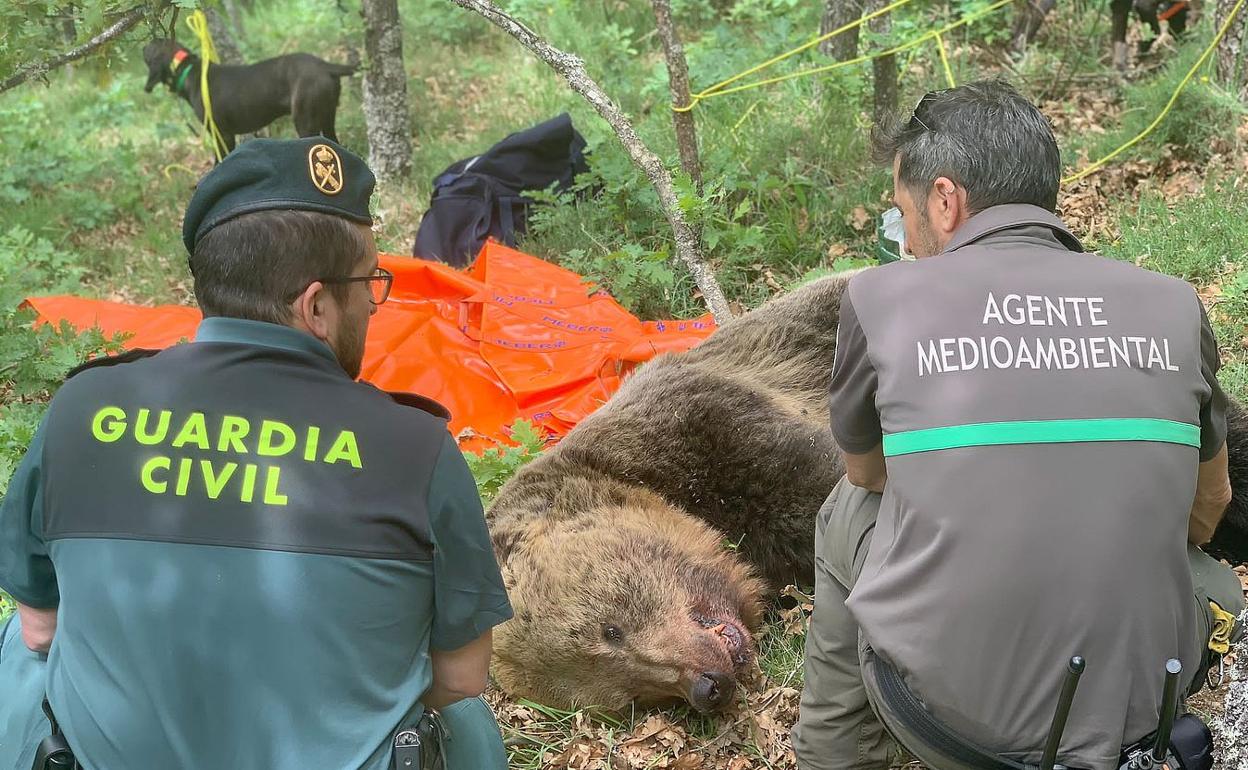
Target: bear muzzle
(729, 634)
(712, 691)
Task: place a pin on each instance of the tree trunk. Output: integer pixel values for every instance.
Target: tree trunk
(1232, 59)
(836, 14)
(678, 80)
(884, 70)
(385, 91)
(572, 70)
(234, 15)
(222, 38)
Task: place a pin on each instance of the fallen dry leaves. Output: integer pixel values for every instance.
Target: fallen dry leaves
(753, 734)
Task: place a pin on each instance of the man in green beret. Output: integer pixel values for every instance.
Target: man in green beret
(229, 553)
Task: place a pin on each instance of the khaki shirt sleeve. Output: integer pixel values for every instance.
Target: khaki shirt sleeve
(851, 394)
(1213, 408)
(468, 593)
(26, 571)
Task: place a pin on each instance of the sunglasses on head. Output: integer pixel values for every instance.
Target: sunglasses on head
(920, 118)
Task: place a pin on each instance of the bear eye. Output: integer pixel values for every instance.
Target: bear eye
(612, 634)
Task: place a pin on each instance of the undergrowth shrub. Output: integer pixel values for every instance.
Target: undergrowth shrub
(1202, 119)
(1204, 240)
(34, 359)
(493, 467)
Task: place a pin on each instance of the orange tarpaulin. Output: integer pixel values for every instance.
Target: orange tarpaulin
(512, 337)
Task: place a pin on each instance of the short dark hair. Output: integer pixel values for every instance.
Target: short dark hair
(251, 266)
(985, 136)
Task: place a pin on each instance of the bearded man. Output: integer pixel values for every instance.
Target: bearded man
(231, 553)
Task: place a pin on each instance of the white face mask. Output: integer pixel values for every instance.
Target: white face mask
(894, 230)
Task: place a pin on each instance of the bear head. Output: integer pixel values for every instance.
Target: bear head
(630, 601)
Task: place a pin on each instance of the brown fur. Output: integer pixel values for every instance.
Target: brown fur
(610, 527)
(624, 523)
(1230, 541)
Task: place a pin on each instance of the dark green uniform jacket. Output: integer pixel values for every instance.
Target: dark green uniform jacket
(250, 553)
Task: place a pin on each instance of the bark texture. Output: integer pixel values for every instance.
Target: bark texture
(836, 14)
(1230, 731)
(678, 81)
(222, 37)
(385, 91)
(1232, 64)
(884, 70)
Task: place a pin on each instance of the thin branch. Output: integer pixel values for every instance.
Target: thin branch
(42, 68)
(572, 69)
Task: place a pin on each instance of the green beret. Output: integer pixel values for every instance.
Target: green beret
(308, 174)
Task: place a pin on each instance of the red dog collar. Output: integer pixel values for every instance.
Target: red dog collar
(178, 58)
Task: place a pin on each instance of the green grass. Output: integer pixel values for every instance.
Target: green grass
(1202, 116)
(1204, 240)
(782, 644)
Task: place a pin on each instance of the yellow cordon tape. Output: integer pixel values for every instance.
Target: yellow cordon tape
(1166, 110)
(695, 98)
(198, 23)
(719, 88)
(944, 60)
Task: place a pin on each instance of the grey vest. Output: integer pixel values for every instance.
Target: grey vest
(1041, 416)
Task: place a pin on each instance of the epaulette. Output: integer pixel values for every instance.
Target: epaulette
(423, 403)
(121, 358)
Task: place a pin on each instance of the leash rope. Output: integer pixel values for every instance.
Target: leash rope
(198, 23)
(944, 60)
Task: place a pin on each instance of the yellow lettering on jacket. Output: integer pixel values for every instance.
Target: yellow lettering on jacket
(191, 474)
(344, 448)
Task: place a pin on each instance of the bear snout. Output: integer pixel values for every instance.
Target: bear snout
(712, 691)
(730, 637)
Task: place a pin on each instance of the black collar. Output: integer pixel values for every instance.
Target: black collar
(182, 72)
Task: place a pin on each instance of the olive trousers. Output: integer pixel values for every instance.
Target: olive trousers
(840, 725)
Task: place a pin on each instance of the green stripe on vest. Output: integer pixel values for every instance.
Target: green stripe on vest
(1040, 432)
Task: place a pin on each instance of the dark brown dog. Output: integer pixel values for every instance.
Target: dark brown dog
(247, 98)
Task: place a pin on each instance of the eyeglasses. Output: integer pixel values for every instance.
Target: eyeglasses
(920, 110)
(379, 283)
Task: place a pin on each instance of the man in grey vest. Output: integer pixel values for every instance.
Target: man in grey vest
(229, 553)
(1034, 447)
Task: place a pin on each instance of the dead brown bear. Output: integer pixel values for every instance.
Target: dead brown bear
(621, 590)
(625, 547)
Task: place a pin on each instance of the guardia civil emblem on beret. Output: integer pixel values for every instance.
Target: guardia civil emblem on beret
(325, 168)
